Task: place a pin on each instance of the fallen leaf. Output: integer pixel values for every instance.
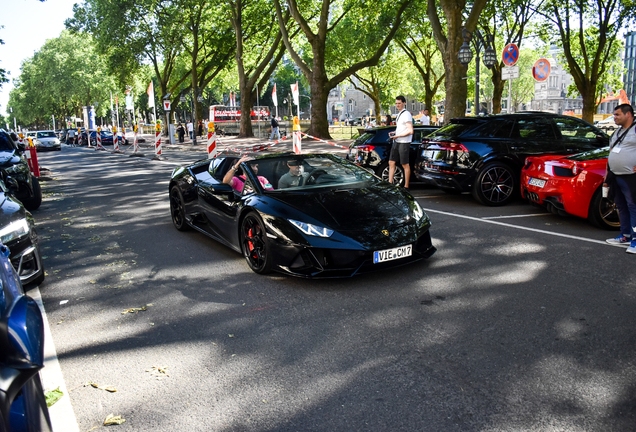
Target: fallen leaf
(97, 386)
(53, 396)
(134, 310)
(113, 420)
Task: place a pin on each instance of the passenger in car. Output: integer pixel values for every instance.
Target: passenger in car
(236, 178)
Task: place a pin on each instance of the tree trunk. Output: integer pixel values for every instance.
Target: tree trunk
(589, 103)
(319, 94)
(456, 90)
(247, 102)
(498, 87)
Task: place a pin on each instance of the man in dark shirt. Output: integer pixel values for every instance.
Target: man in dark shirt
(295, 177)
(274, 124)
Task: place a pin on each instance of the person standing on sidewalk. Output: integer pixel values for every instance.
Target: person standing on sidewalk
(621, 175)
(190, 128)
(426, 118)
(402, 138)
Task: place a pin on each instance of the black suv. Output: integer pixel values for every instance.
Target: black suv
(16, 175)
(484, 155)
(372, 149)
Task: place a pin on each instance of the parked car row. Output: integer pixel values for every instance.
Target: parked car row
(499, 157)
(45, 140)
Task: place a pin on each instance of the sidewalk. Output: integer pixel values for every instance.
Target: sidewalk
(234, 144)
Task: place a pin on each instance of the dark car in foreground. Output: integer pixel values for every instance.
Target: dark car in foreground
(484, 155)
(17, 231)
(571, 185)
(15, 172)
(22, 401)
(372, 150)
(339, 221)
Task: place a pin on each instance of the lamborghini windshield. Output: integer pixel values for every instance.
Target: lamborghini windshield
(299, 172)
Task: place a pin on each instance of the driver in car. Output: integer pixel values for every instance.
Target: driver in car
(295, 177)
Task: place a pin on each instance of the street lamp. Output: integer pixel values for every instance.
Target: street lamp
(309, 105)
(465, 55)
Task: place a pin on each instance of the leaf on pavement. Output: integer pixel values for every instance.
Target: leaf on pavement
(134, 310)
(113, 420)
(159, 371)
(53, 396)
(111, 389)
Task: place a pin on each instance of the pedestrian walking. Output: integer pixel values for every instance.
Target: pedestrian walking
(275, 129)
(200, 128)
(621, 175)
(190, 129)
(402, 138)
(389, 120)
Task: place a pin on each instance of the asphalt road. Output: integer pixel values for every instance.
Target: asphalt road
(522, 321)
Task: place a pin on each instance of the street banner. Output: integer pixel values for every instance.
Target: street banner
(274, 96)
(295, 94)
(151, 95)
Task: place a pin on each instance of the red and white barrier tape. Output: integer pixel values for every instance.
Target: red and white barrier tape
(252, 149)
(326, 142)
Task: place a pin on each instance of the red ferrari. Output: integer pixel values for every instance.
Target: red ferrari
(571, 185)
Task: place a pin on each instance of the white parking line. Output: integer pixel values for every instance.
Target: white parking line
(62, 415)
(518, 216)
(520, 227)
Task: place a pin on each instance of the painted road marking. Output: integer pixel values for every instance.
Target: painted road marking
(62, 415)
(521, 227)
(518, 216)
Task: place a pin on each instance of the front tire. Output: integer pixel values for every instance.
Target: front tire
(398, 175)
(602, 212)
(35, 200)
(255, 245)
(495, 185)
(177, 210)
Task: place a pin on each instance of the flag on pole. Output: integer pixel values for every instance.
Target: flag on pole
(295, 94)
(274, 97)
(151, 95)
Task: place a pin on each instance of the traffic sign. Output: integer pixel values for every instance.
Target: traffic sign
(510, 54)
(166, 105)
(541, 70)
(510, 72)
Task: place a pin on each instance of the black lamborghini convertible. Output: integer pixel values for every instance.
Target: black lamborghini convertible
(333, 218)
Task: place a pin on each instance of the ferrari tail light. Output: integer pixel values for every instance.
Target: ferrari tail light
(528, 162)
(577, 167)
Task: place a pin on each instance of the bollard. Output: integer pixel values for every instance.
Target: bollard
(158, 141)
(98, 140)
(32, 159)
(297, 140)
(212, 148)
(136, 144)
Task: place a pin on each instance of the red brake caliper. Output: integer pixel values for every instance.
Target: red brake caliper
(249, 242)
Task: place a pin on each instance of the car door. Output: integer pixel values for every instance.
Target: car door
(578, 135)
(534, 136)
(219, 202)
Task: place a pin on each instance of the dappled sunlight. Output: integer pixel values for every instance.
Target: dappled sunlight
(511, 274)
(513, 248)
(569, 329)
(390, 317)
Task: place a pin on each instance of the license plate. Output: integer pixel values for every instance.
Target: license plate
(392, 254)
(536, 182)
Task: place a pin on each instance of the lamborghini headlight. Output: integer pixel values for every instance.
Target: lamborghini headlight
(418, 213)
(312, 230)
(14, 230)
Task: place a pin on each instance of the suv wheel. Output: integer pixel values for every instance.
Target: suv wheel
(398, 176)
(495, 185)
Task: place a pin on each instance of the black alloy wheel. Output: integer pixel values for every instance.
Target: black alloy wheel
(177, 210)
(495, 185)
(603, 212)
(255, 245)
(35, 200)
(398, 175)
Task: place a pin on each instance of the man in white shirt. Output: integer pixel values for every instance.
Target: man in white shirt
(190, 129)
(402, 138)
(426, 118)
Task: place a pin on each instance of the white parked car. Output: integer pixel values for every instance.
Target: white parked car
(46, 140)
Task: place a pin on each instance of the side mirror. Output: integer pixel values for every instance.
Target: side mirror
(12, 184)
